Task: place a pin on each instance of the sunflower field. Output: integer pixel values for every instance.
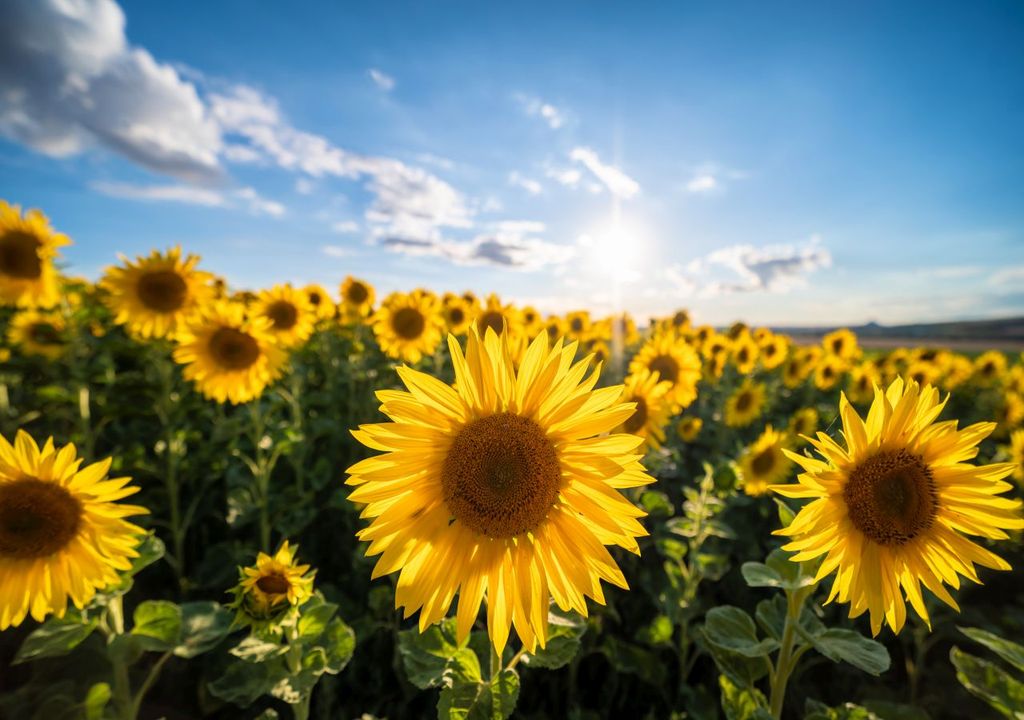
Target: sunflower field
(318, 502)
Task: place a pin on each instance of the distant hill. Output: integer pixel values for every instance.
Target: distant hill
(1004, 334)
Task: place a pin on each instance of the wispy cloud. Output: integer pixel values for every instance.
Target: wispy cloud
(567, 176)
(1011, 275)
(711, 178)
(190, 195)
(508, 244)
(618, 182)
(345, 227)
(336, 251)
(702, 183)
(530, 185)
(382, 80)
(535, 107)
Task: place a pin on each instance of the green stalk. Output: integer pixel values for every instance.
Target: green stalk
(786, 661)
(171, 485)
(261, 474)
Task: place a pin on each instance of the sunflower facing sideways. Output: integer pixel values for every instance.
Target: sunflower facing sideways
(649, 419)
(676, 362)
(503, 486)
(63, 535)
(320, 301)
(764, 463)
(154, 296)
(408, 325)
(228, 357)
(891, 509)
(28, 247)
(291, 316)
(36, 333)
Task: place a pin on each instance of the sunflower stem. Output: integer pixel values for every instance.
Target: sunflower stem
(171, 484)
(785, 663)
(261, 473)
(495, 662)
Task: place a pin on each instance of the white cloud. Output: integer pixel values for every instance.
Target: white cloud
(162, 193)
(570, 177)
(702, 183)
(304, 186)
(382, 80)
(535, 107)
(335, 251)
(773, 268)
(71, 81)
(618, 183)
(191, 195)
(528, 184)
(436, 160)
(345, 227)
(1011, 275)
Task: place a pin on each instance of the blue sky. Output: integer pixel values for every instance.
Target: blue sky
(798, 164)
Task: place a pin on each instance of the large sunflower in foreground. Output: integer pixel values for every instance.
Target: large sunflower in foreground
(675, 361)
(648, 391)
(500, 486)
(28, 247)
(291, 316)
(63, 535)
(154, 296)
(891, 509)
(409, 325)
(228, 357)
(764, 463)
(38, 333)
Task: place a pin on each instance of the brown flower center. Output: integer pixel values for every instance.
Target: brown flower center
(19, 255)
(37, 518)
(666, 367)
(456, 316)
(680, 318)
(891, 497)
(576, 325)
(273, 584)
(408, 323)
(491, 319)
(234, 349)
(638, 419)
(744, 401)
(314, 298)
(357, 293)
(501, 476)
(43, 333)
(162, 290)
(283, 315)
(763, 462)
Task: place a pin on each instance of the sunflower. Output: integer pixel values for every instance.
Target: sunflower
(458, 314)
(320, 301)
(890, 509)
(803, 422)
(828, 372)
(764, 463)
(860, 387)
(744, 354)
(554, 328)
(1016, 452)
(680, 320)
(577, 324)
(230, 358)
(1009, 413)
(715, 344)
(737, 328)
(689, 427)
(28, 247)
(841, 343)
(649, 419)
(409, 325)
(958, 371)
(774, 350)
(63, 535)
(1013, 380)
(290, 316)
(989, 367)
(624, 332)
(357, 298)
(600, 350)
(38, 333)
(795, 372)
(531, 321)
(502, 485)
(744, 406)
(153, 297)
(495, 315)
(675, 361)
(714, 366)
(923, 372)
(268, 592)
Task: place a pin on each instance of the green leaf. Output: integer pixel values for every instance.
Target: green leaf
(741, 670)
(852, 647)
(466, 696)
(157, 625)
(96, 701)
(255, 649)
(896, 711)
(315, 616)
(54, 638)
(760, 575)
(731, 629)
(203, 626)
(771, 616)
(564, 633)
(1011, 652)
(150, 550)
(656, 504)
(243, 683)
(989, 682)
(339, 644)
(786, 514)
(658, 632)
(425, 655)
(628, 658)
(742, 703)
(814, 710)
